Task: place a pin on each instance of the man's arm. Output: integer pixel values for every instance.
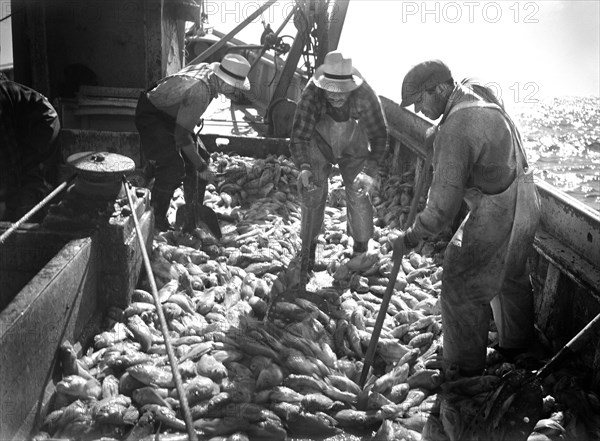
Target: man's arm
(452, 166)
(193, 106)
(371, 115)
(303, 126)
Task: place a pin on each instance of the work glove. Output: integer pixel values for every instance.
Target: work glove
(305, 181)
(405, 242)
(365, 184)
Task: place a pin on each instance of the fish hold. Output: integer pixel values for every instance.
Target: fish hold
(200, 388)
(76, 386)
(269, 377)
(209, 367)
(151, 375)
(312, 424)
(360, 419)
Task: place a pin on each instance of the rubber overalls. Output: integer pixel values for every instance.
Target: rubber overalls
(486, 263)
(344, 143)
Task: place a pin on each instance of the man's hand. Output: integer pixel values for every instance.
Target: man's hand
(400, 247)
(304, 181)
(404, 242)
(364, 184)
(207, 175)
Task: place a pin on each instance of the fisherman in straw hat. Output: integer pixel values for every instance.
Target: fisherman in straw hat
(166, 117)
(338, 120)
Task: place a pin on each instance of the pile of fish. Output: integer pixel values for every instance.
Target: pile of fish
(260, 362)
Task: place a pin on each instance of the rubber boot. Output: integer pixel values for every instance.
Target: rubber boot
(161, 200)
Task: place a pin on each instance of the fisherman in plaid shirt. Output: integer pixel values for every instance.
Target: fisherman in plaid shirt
(338, 120)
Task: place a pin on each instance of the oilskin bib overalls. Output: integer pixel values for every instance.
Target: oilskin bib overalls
(486, 262)
(344, 143)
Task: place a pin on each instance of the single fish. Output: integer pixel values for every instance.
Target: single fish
(150, 395)
(209, 367)
(315, 402)
(269, 377)
(359, 419)
(397, 375)
(312, 424)
(151, 375)
(200, 388)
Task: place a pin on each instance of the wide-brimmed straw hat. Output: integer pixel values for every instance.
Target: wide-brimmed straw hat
(233, 69)
(336, 74)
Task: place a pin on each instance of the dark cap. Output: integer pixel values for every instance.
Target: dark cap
(423, 76)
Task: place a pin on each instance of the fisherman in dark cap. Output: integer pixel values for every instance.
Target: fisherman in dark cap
(166, 118)
(29, 127)
(338, 120)
(478, 157)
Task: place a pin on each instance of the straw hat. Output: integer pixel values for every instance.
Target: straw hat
(233, 69)
(336, 74)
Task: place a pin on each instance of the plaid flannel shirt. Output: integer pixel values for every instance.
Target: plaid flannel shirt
(364, 106)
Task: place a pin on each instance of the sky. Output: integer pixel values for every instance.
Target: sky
(525, 49)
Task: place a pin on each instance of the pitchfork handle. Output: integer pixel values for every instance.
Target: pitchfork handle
(379, 322)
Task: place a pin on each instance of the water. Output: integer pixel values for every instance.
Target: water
(562, 139)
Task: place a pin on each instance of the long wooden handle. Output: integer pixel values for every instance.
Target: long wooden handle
(189, 424)
(569, 348)
(379, 322)
(35, 209)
